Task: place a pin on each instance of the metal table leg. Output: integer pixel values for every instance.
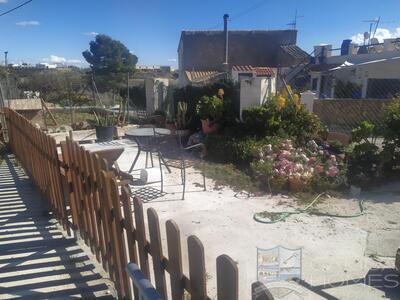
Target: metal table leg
(136, 158)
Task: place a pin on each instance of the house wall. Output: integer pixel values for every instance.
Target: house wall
(204, 50)
(388, 69)
(156, 93)
(255, 91)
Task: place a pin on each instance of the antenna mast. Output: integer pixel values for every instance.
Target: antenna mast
(293, 24)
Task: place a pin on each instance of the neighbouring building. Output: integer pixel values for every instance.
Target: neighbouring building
(357, 71)
(206, 56)
(46, 66)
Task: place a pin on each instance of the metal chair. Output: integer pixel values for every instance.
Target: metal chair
(171, 156)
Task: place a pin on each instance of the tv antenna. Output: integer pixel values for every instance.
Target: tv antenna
(373, 26)
(293, 24)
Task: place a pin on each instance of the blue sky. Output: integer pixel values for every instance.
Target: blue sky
(59, 30)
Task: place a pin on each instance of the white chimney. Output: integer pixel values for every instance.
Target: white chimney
(321, 52)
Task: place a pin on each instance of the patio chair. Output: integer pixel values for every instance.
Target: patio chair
(179, 157)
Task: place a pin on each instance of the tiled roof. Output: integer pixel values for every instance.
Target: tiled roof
(295, 51)
(201, 76)
(264, 71)
(260, 71)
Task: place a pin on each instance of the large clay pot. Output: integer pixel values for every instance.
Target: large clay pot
(171, 126)
(208, 126)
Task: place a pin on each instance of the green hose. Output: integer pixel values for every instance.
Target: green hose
(275, 217)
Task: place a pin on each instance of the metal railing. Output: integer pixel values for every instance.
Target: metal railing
(143, 286)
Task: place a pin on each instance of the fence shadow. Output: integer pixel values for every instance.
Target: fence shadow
(36, 261)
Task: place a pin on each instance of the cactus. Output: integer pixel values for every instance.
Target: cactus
(181, 120)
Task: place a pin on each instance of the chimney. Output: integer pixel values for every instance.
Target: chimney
(226, 17)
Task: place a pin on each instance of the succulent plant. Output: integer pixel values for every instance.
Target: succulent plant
(182, 119)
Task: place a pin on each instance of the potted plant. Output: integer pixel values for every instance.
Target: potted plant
(209, 110)
(182, 121)
(106, 123)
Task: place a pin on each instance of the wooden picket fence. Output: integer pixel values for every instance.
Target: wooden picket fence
(37, 153)
(103, 213)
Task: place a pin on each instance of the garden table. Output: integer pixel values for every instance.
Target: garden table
(111, 151)
(146, 139)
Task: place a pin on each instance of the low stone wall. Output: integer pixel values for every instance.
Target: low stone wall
(345, 114)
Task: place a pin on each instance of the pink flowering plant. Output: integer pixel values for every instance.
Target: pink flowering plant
(313, 167)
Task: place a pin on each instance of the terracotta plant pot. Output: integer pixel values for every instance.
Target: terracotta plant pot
(208, 126)
(296, 184)
(171, 126)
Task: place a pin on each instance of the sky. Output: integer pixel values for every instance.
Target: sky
(60, 30)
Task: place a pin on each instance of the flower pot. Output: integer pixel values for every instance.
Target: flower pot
(171, 126)
(296, 184)
(208, 126)
(105, 133)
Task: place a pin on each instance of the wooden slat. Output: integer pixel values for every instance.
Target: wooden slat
(141, 237)
(117, 267)
(175, 259)
(156, 252)
(107, 259)
(197, 270)
(227, 278)
(129, 226)
(119, 238)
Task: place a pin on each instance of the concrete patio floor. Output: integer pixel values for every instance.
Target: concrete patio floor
(36, 260)
(342, 258)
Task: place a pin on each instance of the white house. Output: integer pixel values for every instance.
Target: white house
(373, 70)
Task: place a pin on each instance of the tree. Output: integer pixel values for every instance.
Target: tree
(110, 61)
(109, 58)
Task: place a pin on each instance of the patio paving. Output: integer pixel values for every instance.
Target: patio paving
(36, 260)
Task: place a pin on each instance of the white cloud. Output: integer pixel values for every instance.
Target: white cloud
(381, 34)
(57, 59)
(27, 23)
(3, 1)
(172, 59)
(92, 33)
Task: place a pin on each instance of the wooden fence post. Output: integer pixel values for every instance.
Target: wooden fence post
(175, 259)
(141, 237)
(156, 252)
(197, 269)
(227, 278)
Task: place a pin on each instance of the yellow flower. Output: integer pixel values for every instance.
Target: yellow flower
(221, 92)
(281, 102)
(296, 99)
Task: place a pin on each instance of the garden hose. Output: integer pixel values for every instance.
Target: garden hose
(275, 217)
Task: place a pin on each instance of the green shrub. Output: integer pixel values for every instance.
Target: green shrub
(236, 149)
(210, 107)
(292, 120)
